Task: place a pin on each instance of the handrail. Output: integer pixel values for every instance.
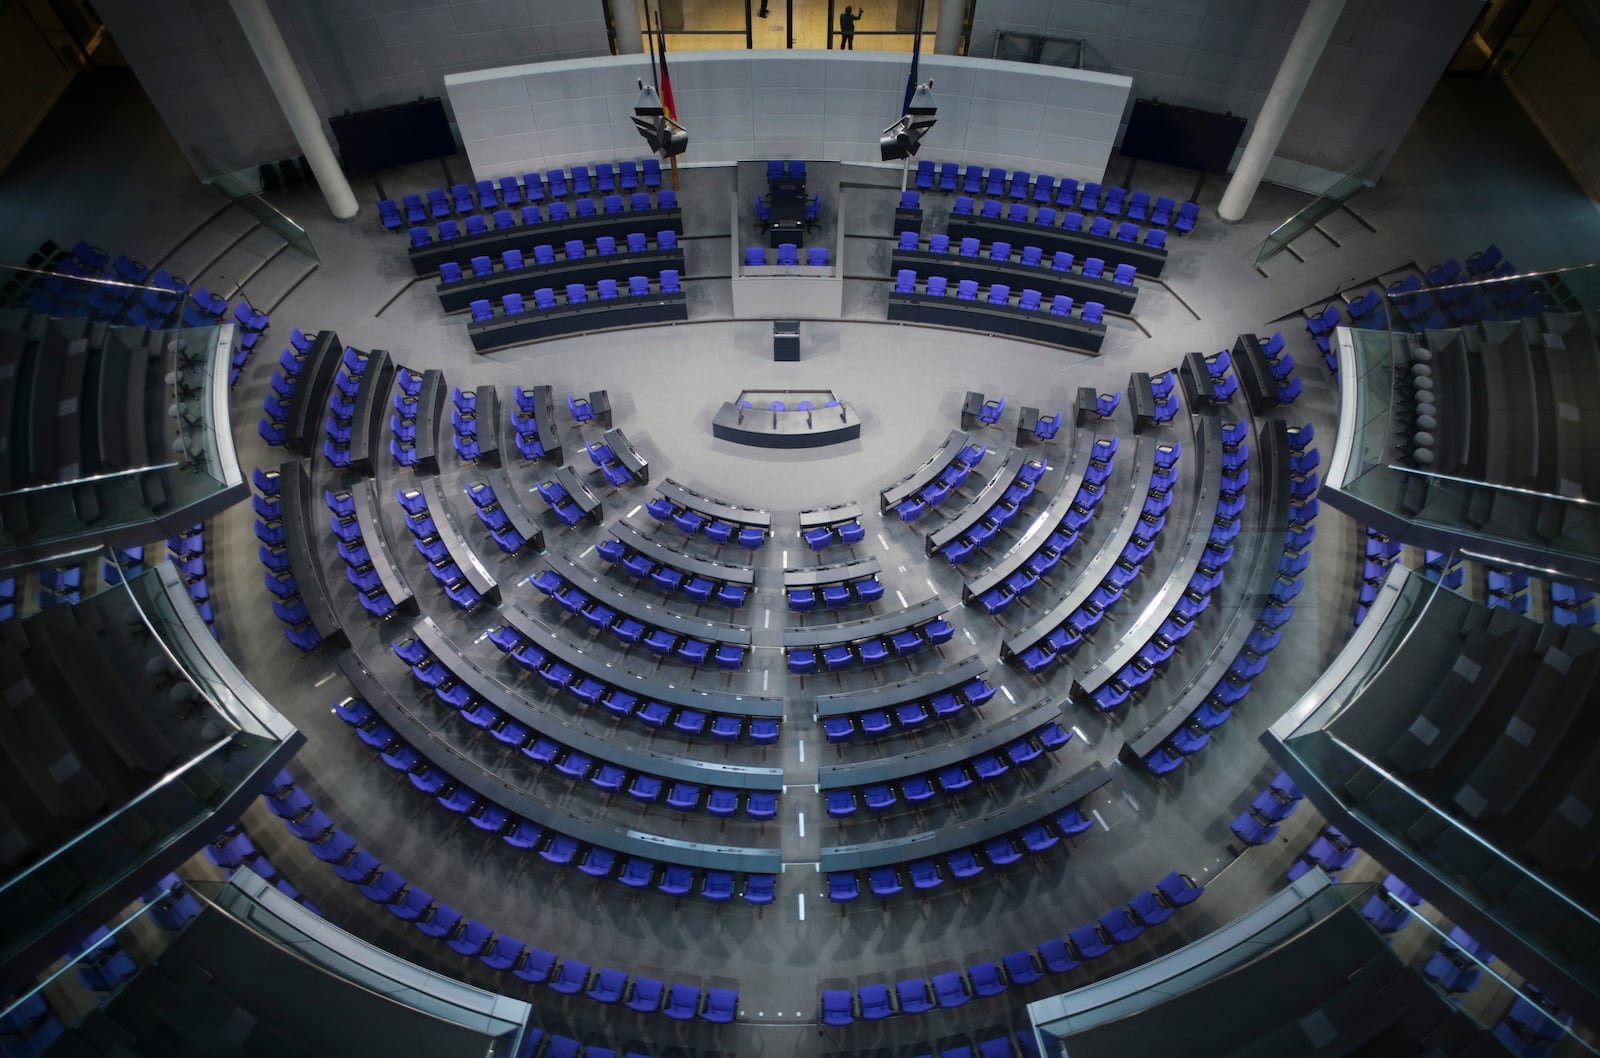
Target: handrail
(1040, 38)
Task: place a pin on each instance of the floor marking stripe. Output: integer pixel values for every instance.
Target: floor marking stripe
(802, 898)
(1098, 818)
(1079, 732)
(800, 820)
(802, 751)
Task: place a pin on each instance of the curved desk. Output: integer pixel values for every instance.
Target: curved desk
(588, 270)
(827, 517)
(930, 468)
(967, 832)
(431, 403)
(312, 385)
(761, 428)
(838, 573)
(915, 689)
(630, 605)
(1003, 477)
(365, 498)
(455, 542)
(650, 687)
(1081, 244)
(532, 325)
(536, 809)
(1033, 325)
(945, 754)
(427, 259)
(510, 501)
(703, 567)
(874, 627)
(1087, 579)
(300, 513)
(1047, 281)
(722, 510)
(371, 412)
(1041, 527)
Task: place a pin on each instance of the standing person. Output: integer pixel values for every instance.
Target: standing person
(847, 27)
(763, 12)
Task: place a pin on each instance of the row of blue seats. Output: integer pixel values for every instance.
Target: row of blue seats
(716, 530)
(441, 566)
(526, 425)
(804, 661)
(982, 768)
(358, 560)
(950, 480)
(955, 988)
(473, 939)
(556, 212)
(999, 294)
(338, 424)
(287, 605)
(596, 861)
(867, 589)
(1031, 256)
(403, 423)
(1380, 553)
(561, 502)
(187, 553)
(1258, 823)
(285, 380)
(544, 255)
(233, 851)
(589, 689)
(1152, 519)
(848, 532)
(1021, 186)
(464, 425)
(630, 632)
(1179, 621)
(488, 195)
(910, 715)
(494, 518)
(788, 256)
(1045, 217)
(670, 578)
(544, 298)
(1332, 851)
(1024, 485)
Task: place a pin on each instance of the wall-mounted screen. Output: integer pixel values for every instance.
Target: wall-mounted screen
(1182, 136)
(387, 137)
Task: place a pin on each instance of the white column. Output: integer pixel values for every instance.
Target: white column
(273, 54)
(947, 34)
(1316, 26)
(625, 20)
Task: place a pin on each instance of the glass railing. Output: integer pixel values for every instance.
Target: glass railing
(368, 968)
(238, 737)
(1342, 190)
(137, 370)
(249, 199)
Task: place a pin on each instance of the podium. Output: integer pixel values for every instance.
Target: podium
(785, 340)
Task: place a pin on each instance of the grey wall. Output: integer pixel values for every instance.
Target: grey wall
(830, 105)
(192, 58)
(1375, 73)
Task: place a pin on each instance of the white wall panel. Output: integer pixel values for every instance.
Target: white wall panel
(807, 104)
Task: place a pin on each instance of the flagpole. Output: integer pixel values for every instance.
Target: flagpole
(660, 28)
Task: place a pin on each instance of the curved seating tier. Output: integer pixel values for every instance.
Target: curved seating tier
(1147, 260)
(1031, 272)
(940, 694)
(312, 619)
(994, 313)
(477, 278)
(870, 640)
(833, 586)
(439, 540)
(533, 226)
(954, 450)
(648, 559)
(995, 505)
(720, 521)
(839, 523)
(614, 306)
(509, 811)
(370, 562)
(929, 760)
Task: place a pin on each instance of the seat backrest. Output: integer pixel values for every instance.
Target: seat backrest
(669, 281)
(908, 240)
(1093, 266)
(613, 203)
(573, 248)
(559, 211)
(1062, 261)
(939, 244)
(999, 294)
(969, 247)
(544, 298)
(755, 256)
(1123, 274)
(1000, 251)
(991, 207)
(936, 285)
(905, 281)
(638, 286)
(450, 272)
(636, 242)
(585, 207)
(1073, 221)
(1032, 255)
(1061, 305)
(967, 289)
(788, 253)
(608, 289)
(576, 294)
(605, 245)
(531, 215)
(817, 256)
(666, 239)
(544, 253)
(512, 304)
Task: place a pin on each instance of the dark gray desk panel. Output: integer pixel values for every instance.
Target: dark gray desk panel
(967, 832)
(930, 468)
(578, 736)
(631, 605)
(455, 542)
(660, 552)
(816, 517)
(536, 809)
(1141, 400)
(534, 325)
(973, 512)
(1080, 244)
(309, 403)
(510, 500)
(426, 260)
(1117, 297)
(909, 690)
(371, 413)
(1194, 374)
(458, 297)
(637, 466)
(684, 496)
(544, 413)
(431, 403)
(1087, 579)
(490, 424)
(651, 687)
(933, 758)
(580, 492)
(1204, 459)
(1043, 524)
(1034, 325)
(1270, 526)
(364, 495)
(838, 573)
(1255, 373)
(873, 627)
(762, 428)
(301, 516)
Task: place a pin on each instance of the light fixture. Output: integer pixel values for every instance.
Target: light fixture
(665, 136)
(903, 139)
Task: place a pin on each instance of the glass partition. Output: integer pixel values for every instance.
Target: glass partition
(249, 199)
(1342, 190)
(720, 25)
